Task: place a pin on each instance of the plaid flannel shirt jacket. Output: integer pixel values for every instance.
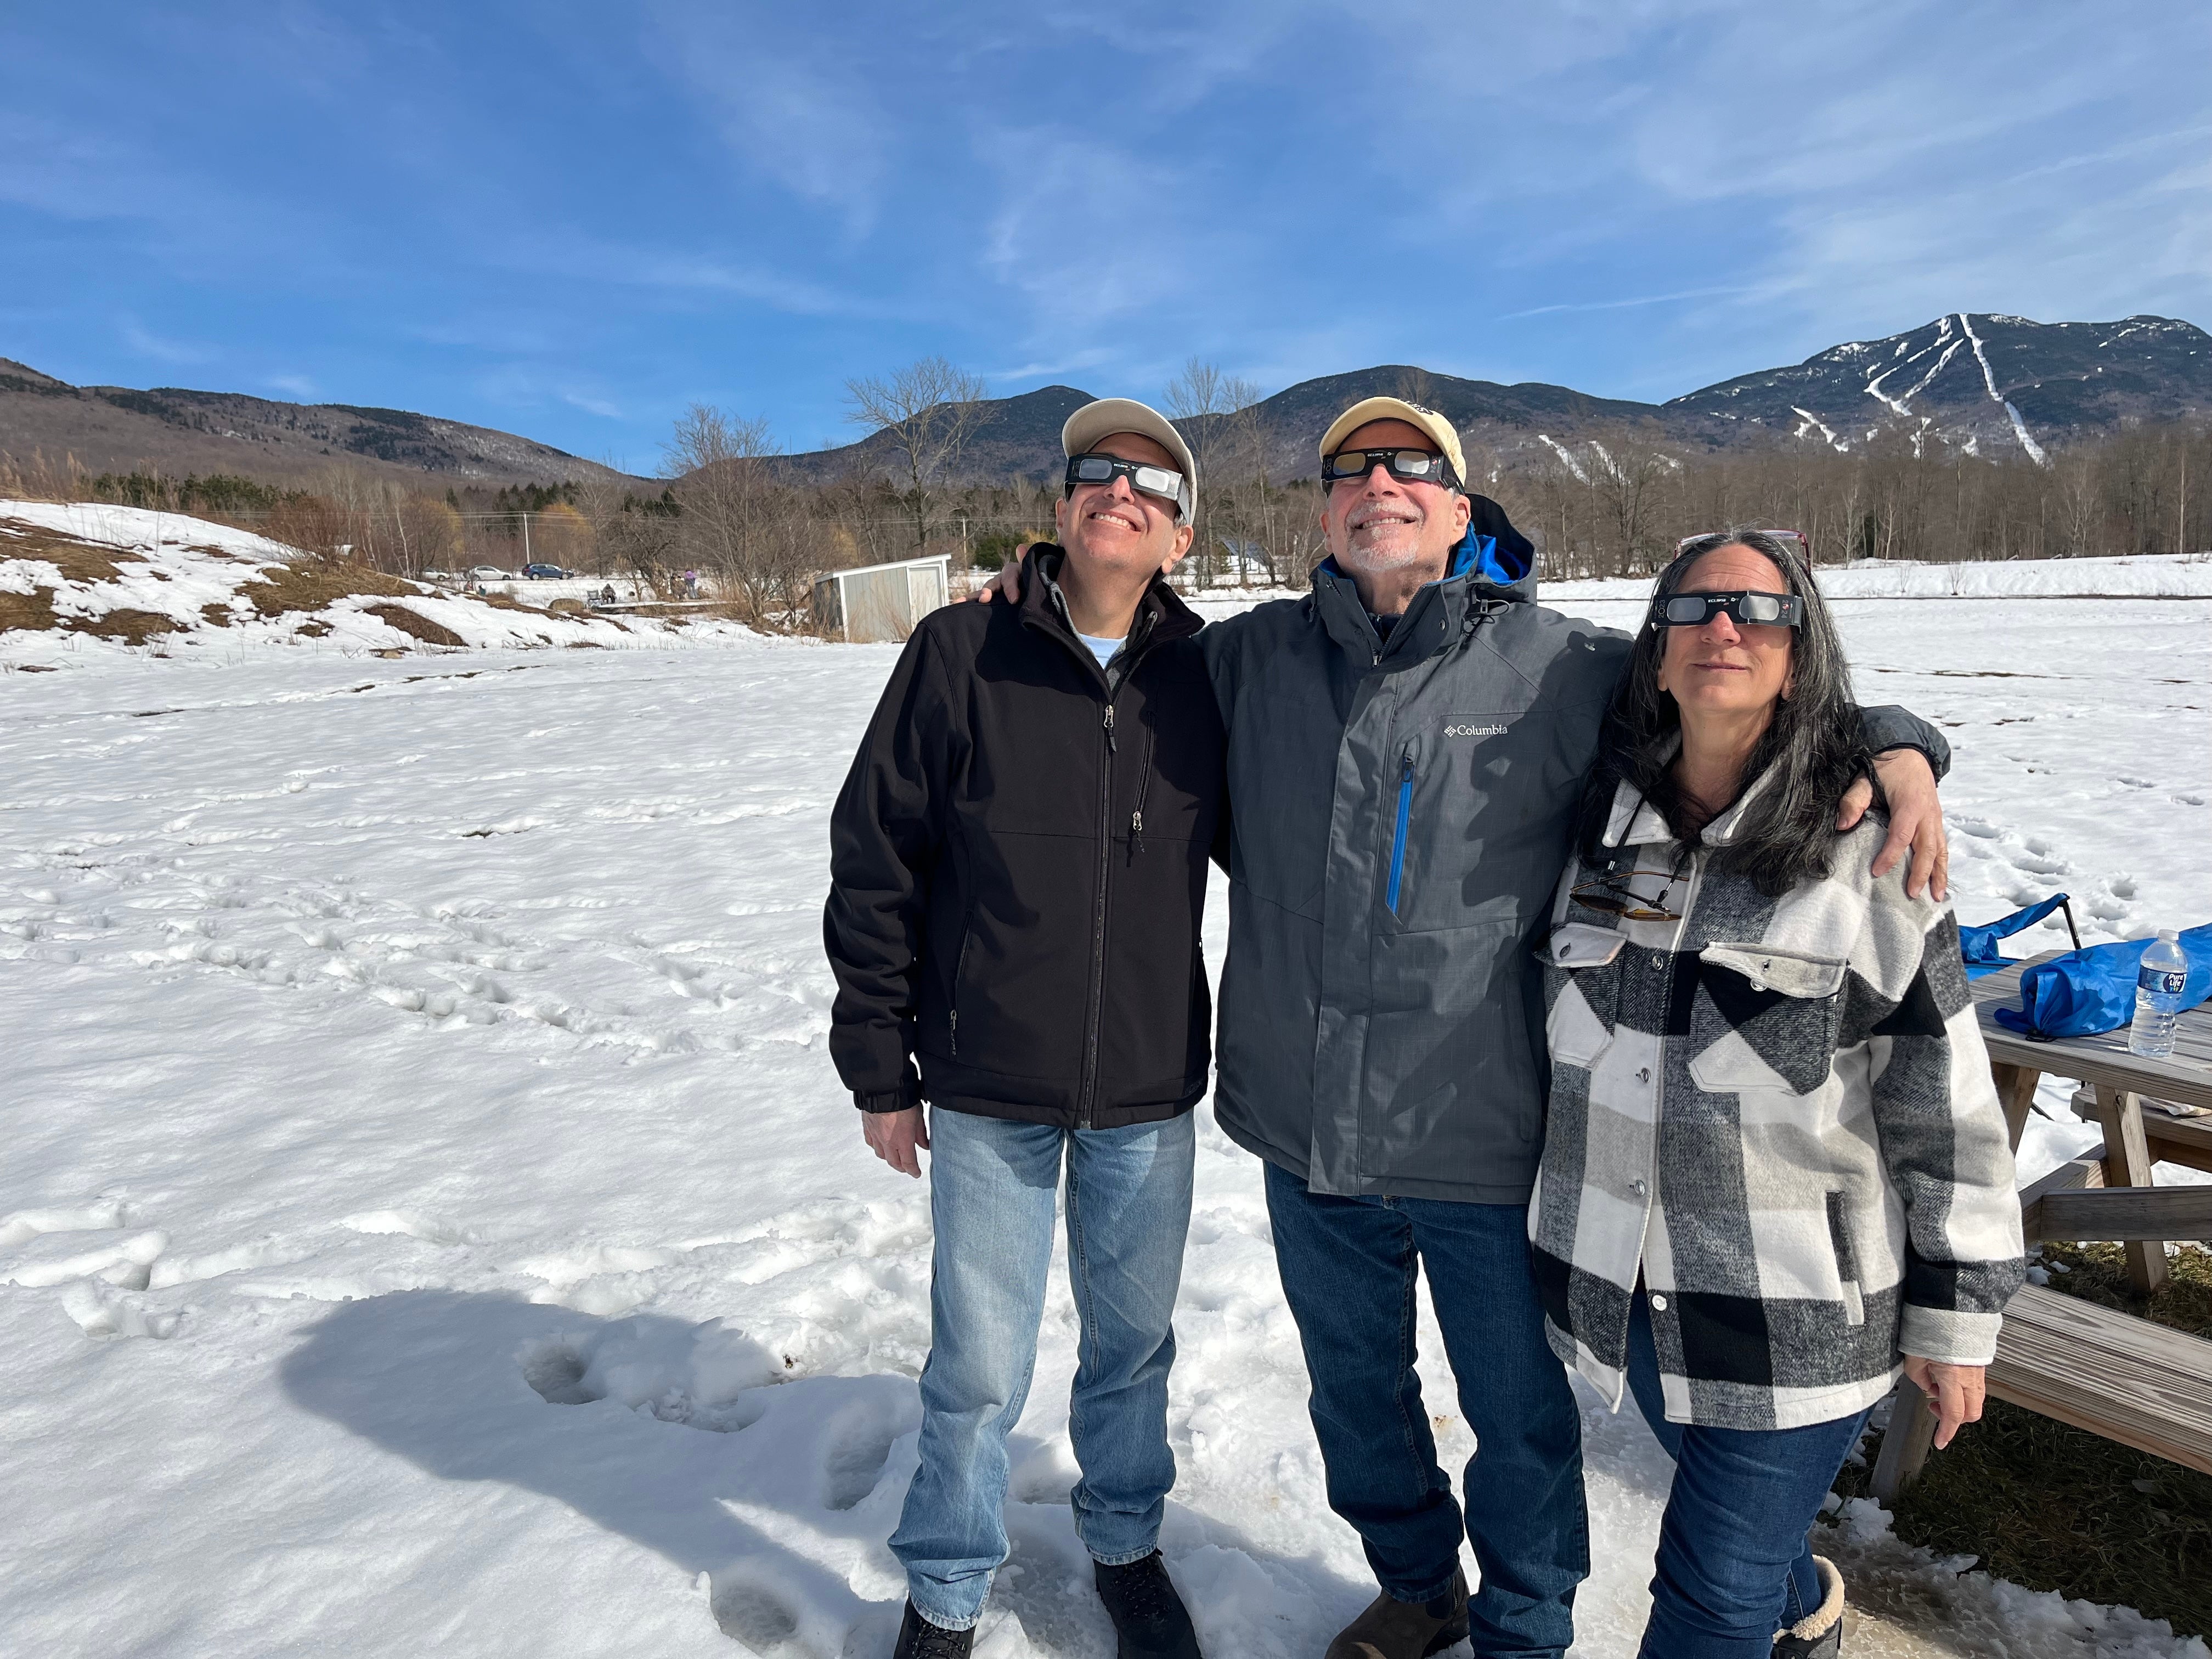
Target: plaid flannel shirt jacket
(1778, 1112)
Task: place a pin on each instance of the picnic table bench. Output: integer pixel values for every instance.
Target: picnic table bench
(2141, 1385)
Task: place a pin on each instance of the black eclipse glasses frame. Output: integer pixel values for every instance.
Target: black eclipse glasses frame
(1745, 608)
(1162, 482)
(1407, 465)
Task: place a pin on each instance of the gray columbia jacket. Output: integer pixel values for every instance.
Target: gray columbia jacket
(1400, 813)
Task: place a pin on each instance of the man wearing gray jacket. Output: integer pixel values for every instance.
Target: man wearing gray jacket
(1406, 746)
(1406, 749)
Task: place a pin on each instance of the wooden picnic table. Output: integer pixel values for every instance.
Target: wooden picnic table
(2117, 1079)
(2142, 1384)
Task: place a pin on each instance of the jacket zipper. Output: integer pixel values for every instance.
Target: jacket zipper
(1144, 787)
(1405, 815)
(1087, 1098)
(959, 968)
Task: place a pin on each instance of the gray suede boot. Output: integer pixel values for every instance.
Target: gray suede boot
(1819, 1633)
(1391, 1629)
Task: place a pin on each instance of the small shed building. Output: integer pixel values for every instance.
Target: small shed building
(881, 602)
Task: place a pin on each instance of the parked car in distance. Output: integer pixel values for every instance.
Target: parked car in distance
(543, 573)
(487, 573)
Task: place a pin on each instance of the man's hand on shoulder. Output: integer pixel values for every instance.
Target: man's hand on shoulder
(898, 1138)
(1006, 584)
(1915, 820)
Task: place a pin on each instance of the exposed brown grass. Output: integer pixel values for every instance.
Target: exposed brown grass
(131, 627)
(2057, 1507)
(78, 561)
(32, 611)
(414, 623)
(311, 587)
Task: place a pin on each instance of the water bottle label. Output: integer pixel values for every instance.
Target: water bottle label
(2159, 983)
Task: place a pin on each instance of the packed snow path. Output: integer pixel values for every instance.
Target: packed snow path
(430, 1222)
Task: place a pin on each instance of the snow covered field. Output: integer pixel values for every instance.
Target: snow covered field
(430, 1222)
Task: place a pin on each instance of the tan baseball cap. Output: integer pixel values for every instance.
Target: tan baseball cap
(1107, 415)
(1397, 409)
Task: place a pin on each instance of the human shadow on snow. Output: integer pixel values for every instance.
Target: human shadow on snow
(689, 1439)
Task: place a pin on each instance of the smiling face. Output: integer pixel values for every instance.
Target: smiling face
(1725, 667)
(1382, 525)
(1115, 527)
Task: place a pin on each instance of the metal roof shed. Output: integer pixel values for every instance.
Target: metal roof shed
(881, 602)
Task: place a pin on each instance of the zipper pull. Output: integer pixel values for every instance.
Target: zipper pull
(1136, 832)
(956, 1033)
(1111, 747)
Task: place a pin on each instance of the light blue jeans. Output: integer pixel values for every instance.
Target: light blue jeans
(992, 1183)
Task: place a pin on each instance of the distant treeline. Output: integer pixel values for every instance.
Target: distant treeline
(1611, 504)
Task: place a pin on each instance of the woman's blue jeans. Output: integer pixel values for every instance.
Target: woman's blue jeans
(991, 1182)
(1735, 1564)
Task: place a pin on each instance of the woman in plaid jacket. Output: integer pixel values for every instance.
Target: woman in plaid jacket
(1775, 1171)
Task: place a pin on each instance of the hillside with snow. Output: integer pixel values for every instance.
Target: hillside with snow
(87, 582)
(1990, 384)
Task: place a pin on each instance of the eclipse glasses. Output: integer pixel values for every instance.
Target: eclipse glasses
(1407, 466)
(1162, 483)
(1761, 609)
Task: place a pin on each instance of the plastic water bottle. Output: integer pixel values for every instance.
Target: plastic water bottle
(2159, 982)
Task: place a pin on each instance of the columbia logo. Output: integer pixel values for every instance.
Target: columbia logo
(1474, 731)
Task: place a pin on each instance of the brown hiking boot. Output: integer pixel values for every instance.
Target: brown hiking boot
(1391, 1629)
(1819, 1633)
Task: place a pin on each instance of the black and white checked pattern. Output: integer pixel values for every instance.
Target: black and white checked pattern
(1779, 1111)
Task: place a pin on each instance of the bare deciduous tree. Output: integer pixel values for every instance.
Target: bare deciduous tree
(721, 487)
(931, 409)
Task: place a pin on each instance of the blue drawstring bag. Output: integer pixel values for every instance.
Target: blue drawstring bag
(2086, 992)
(1979, 945)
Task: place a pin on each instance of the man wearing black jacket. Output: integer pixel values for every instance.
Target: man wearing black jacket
(1018, 861)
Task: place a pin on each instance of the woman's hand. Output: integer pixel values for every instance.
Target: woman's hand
(1007, 584)
(893, 1136)
(1915, 820)
(1954, 1393)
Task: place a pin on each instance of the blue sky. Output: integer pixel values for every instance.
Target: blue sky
(571, 221)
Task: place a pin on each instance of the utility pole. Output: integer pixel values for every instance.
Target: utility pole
(525, 540)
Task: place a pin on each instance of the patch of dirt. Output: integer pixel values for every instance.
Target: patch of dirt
(35, 668)
(284, 587)
(414, 623)
(313, 629)
(216, 614)
(78, 561)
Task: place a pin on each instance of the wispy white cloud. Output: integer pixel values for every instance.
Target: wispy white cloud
(592, 406)
(784, 98)
(298, 385)
(147, 343)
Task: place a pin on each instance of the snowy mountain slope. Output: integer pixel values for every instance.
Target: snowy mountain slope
(1991, 384)
(430, 1221)
(83, 581)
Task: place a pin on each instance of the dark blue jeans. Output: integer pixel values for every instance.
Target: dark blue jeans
(1733, 1566)
(1348, 1266)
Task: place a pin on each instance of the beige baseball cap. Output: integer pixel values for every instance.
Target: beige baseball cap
(1107, 415)
(1397, 409)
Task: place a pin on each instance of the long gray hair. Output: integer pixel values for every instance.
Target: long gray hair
(1814, 746)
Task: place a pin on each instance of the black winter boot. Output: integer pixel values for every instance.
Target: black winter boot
(920, 1639)
(1819, 1633)
(1150, 1620)
(1391, 1629)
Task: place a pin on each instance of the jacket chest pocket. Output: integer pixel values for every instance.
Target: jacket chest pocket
(1779, 1011)
(1473, 818)
(1582, 984)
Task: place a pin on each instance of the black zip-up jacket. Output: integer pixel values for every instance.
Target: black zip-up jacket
(1018, 867)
